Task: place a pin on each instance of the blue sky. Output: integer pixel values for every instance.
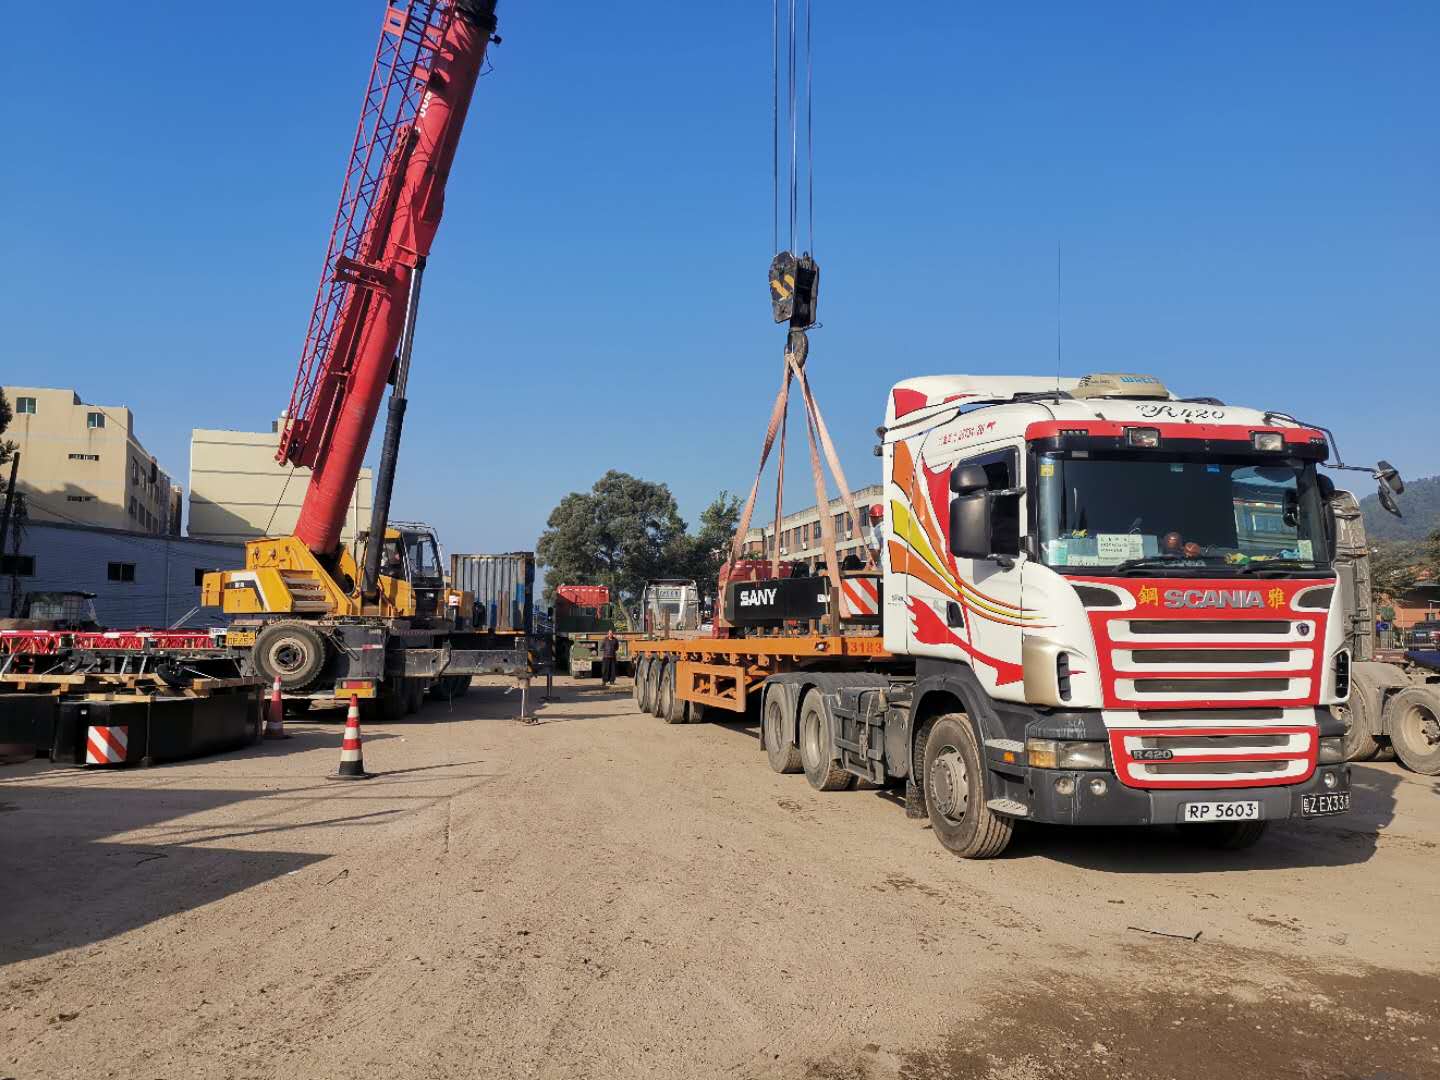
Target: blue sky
(1246, 197)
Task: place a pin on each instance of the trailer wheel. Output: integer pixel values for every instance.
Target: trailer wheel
(656, 681)
(642, 682)
(672, 706)
(1413, 719)
(815, 746)
(294, 651)
(783, 754)
(1224, 835)
(953, 779)
(1366, 706)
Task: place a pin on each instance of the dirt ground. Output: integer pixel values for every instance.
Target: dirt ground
(600, 895)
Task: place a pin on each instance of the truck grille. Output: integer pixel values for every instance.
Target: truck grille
(1213, 757)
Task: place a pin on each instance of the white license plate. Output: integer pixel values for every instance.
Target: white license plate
(1220, 811)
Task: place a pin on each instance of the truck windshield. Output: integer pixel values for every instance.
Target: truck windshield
(1222, 515)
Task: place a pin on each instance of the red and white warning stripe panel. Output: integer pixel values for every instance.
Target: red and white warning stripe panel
(859, 597)
(106, 744)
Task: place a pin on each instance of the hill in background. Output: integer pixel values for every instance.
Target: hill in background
(1420, 504)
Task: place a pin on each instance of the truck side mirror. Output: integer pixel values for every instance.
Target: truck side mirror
(971, 533)
(1387, 500)
(1388, 475)
(968, 479)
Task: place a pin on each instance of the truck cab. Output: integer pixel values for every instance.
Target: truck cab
(1128, 596)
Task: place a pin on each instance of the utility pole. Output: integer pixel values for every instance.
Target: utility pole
(5, 514)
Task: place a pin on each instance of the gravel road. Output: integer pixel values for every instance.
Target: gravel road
(599, 895)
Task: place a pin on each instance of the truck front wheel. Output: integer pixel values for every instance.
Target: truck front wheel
(1413, 720)
(954, 786)
(292, 650)
(1224, 835)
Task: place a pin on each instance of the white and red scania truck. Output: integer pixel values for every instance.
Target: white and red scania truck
(1099, 604)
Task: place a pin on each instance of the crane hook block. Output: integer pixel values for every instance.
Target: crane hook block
(794, 289)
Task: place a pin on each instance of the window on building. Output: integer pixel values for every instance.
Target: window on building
(200, 576)
(95, 419)
(25, 405)
(17, 565)
(79, 498)
(134, 508)
(120, 571)
(134, 471)
(84, 457)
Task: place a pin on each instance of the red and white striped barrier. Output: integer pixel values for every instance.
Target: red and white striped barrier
(106, 744)
(859, 597)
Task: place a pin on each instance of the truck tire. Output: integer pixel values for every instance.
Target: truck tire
(783, 754)
(1224, 835)
(672, 708)
(1362, 715)
(656, 680)
(1412, 717)
(414, 695)
(953, 782)
(642, 683)
(393, 701)
(816, 744)
(295, 651)
(694, 712)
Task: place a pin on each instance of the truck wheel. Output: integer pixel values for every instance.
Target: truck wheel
(657, 683)
(414, 695)
(953, 780)
(816, 744)
(393, 700)
(294, 651)
(1224, 835)
(672, 707)
(642, 684)
(1412, 717)
(783, 754)
(694, 712)
(1369, 682)
(1359, 744)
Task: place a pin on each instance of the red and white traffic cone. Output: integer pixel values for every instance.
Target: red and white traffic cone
(352, 757)
(275, 718)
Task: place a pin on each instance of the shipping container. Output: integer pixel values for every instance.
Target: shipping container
(504, 588)
(585, 595)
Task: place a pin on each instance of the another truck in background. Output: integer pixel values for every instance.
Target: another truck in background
(1394, 706)
(584, 614)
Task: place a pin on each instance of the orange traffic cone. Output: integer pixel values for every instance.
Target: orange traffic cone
(275, 718)
(352, 758)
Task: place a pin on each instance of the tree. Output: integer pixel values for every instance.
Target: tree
(7, 448)
(620, 533)
(700, 556)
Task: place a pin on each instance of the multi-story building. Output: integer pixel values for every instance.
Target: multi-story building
(82, 464)
(800, 532)
(238, 491)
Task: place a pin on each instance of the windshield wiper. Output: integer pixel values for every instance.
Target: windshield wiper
(1277, 564)
(1145, 561)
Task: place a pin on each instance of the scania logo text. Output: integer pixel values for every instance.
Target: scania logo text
(1213, 598)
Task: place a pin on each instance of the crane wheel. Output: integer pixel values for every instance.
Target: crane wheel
(294, 651)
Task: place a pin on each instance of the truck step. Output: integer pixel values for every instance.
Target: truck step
(1009, 806)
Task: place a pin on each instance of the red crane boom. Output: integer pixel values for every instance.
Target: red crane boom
(426, 65)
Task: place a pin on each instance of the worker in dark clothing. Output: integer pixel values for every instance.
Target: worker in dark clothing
(609, 648)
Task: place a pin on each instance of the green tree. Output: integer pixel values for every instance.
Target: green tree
(620, 533)
(701, 555)
(7, 448)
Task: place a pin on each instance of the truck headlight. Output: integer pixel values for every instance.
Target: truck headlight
(1053, 754)
(1270, 441)
(1332, 750)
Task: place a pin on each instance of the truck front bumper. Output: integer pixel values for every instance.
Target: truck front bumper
(1041, 794)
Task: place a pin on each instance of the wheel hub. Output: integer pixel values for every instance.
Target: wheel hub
(950, 783)
(288, 657)
(1423, 725)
